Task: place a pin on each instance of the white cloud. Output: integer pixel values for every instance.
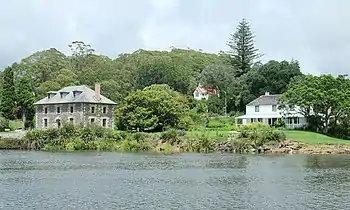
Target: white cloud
(317, 36)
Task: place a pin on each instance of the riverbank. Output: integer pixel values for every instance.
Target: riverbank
(186, 145)
(255, 138)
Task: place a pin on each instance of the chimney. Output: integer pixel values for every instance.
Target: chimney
(98, 91)
(267, 93)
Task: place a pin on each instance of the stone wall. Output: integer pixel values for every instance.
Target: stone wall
(98, 114)
(81, 114)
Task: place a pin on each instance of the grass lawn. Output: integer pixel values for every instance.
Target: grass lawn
(313, 138)
(301, 136)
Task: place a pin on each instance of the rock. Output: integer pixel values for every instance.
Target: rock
(225, 146)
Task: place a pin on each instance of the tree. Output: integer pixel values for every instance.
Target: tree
(25, 101)
(152, 109)
(243, 53)
(41, 66)
(8, 102)
(220, 76)
(322, 100)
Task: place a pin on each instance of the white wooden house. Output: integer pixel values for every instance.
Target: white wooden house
(265, 110)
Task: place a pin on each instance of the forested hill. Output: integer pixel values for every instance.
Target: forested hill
(238, 72)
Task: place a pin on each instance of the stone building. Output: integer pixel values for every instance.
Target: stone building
(79, 105)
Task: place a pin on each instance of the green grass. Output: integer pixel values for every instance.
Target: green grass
(313, 138)
(211, 134)
(301, 136)
(15, 124)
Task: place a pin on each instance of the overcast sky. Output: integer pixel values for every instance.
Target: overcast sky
(315, 32)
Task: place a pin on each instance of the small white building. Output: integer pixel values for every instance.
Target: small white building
(265, 110)
(201, 93)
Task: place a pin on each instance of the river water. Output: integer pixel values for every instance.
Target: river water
(41, 180)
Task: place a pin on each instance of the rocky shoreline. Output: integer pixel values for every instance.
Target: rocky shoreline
(288, 147)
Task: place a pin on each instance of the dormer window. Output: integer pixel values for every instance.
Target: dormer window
(63, 94)
(76, 93)
(51, 94)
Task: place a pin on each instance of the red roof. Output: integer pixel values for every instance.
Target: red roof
(209, 91)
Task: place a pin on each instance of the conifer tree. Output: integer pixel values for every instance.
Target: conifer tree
(8, 101)
(243, 53)
(25, 101)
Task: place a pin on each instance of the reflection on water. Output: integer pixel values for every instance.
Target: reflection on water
(39, 180)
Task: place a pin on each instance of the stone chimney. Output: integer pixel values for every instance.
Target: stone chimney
(98, 91)
(267, 93)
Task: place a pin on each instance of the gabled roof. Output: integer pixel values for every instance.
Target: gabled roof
(87, 95)
(266, 99)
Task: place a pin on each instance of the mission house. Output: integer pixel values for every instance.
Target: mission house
(79, 105)
(265, 109)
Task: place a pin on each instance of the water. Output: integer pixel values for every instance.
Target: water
(39, 180)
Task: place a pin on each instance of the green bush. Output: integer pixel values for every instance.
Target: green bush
(253, 126)
(171, 136)
(280, 124)
(259, 133)
(4, 123)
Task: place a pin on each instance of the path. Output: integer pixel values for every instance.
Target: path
(12, 135)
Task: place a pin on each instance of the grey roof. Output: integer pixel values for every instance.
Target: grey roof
(87, 96)
(265, 100)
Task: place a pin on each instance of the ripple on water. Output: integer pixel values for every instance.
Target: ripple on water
(37, 180)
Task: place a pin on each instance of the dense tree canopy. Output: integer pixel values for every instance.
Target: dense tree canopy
(324, 100)
(152, 108)
(129, 80)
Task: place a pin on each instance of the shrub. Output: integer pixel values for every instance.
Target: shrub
(280, 124)
(254, 126)
(139, 137)
(215, 124)
(170, 136)
(4, 123)
(77, 144)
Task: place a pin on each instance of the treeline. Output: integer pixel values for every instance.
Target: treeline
(238, 73)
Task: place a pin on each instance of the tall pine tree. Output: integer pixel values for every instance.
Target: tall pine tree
(25, 102)
(8, 101)
(242, 51)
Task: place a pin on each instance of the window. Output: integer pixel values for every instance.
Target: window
(45, 110)
(260, 119)
(257, 108)
(71, 120)
(104, 122)
(92, 109)
(58, 121)
(196, 94)
(71, 109)
(104, 110)
(58, 110)
(274, 108)
(92, 120)
(296, 120)
(45, 123)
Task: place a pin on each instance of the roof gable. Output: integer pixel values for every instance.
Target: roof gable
(86, 95)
